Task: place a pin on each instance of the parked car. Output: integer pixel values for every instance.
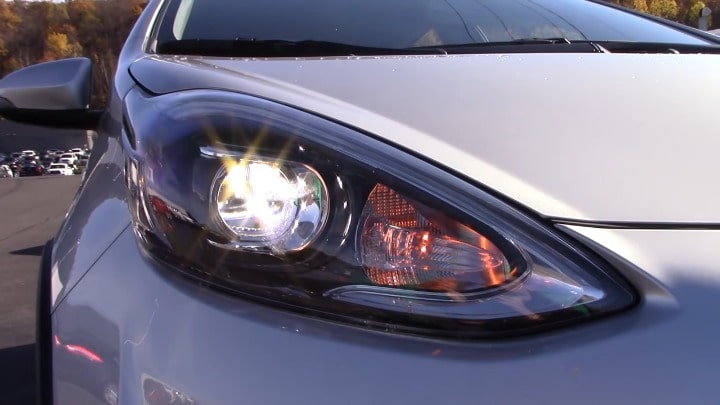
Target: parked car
(60, 168)
(79, 152)
(5, 171)
(31, 169)
(47, 155)
(29, 159)
(69, 158)
(14, 165)
(387, 202)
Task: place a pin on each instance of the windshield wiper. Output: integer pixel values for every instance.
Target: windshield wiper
(521, 45)
(261, 48)
(252, 47)
(656, 47)
(564, 45)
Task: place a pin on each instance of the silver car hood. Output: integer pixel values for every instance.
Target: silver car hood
(597, 137)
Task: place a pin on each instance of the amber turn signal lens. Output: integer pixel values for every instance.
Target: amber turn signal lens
(401, 246)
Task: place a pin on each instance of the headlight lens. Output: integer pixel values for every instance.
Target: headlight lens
(269, 205)
(279, 205)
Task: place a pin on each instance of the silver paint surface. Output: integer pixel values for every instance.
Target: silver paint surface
(219, 349)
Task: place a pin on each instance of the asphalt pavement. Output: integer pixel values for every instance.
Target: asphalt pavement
(31, 211)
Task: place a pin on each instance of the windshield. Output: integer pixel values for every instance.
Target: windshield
(401, 24)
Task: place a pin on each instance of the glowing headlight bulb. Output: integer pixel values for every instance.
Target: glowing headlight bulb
(279, 206)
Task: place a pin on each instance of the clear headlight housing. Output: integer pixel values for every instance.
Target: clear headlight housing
(278, 205)
(268, 204)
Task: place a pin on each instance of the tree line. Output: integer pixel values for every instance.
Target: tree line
(683, 11)
(37, 31)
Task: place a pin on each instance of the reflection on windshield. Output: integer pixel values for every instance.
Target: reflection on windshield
(401, 24)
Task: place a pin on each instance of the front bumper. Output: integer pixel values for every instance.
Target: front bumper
(151, 327)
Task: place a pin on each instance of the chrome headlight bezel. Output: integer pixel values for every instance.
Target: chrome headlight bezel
(321, 277)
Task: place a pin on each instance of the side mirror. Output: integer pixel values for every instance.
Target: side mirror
(54, 94)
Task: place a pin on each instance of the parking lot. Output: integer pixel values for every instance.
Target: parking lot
(31, 211)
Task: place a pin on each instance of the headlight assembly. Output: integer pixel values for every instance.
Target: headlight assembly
(293, 209)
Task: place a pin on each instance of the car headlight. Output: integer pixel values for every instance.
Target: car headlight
(268, 204)
(284, 206)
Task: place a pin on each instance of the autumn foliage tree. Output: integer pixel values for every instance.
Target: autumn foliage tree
(9, 21)
(663, 8)
(640, 5)
(58, 46)
(683, 11)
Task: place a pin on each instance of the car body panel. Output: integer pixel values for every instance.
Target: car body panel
(609, 152)
(94, 220)
(169, 332)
